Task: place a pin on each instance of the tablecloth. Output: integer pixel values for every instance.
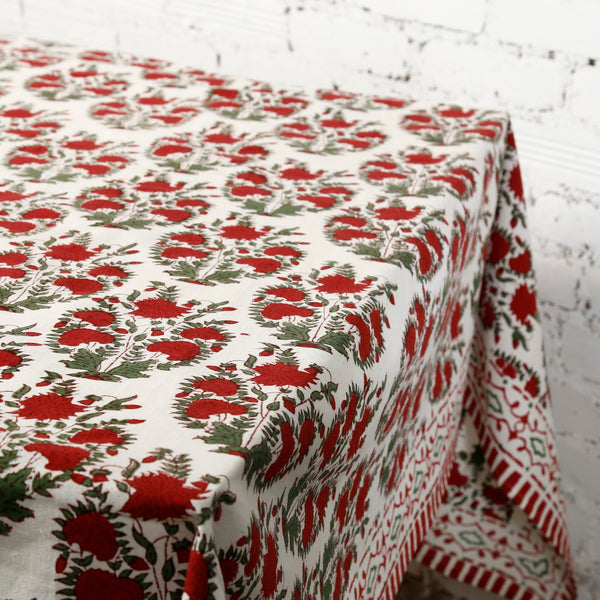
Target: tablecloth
(261, 343)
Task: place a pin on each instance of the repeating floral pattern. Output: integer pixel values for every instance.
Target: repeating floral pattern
(142, 202)
(59, 270)
(330, 133)
(23, 213)
(263, 344)
(216, 146)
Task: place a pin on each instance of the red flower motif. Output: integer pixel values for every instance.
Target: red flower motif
(108, 192)
(97, 435)
(423, 159)
(345, 234)
(240, 232)
(255, 178)
(157, 308)
(218, 386)
(516, 183)
(79, 286)
(177, 350)
(299, 174)
(229, 569)
(203, 333)
(107, 271)
(60, 458)
(500, 247)
(159, 496)
(41, 213)
(196, 579)
(96, 584)
(75, 337)
(13, 258)
(157, 186)
(279, 310)
(532, 387)
(521, 263)
(206, 407)
(94, 533)
(48, 406)
(523, 304)
(10, 196)
(101, 205)
(98, 318)
(74, 252)
(260, 265)
(12, 273)
(282, 251)
(337, 123)
(456, 113)
(17, 226)
(171, 149)
(248, 190)
(488, 316)
(9, 359)
(174, 253)
(339, 284)
(173, 215)
(193, 239)
(397, 213)
(271, 575)
(456, 477)
(82, 145)
(282, 374)
(291, 294)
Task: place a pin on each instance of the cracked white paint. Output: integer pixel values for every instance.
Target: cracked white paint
(540, 59)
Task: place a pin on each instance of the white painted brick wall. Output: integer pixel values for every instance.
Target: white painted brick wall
(538, 58)
(570, 26)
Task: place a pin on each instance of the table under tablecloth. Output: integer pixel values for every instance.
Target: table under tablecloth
(263, 344)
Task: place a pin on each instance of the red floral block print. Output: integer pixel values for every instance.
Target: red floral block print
(228, 251)
(12, 356)
(331, 133)
(120, 549)
(361, 102)
(121, 338)
(450, 125)
(21, 121)
(67, 159)
(418, 172)
(24, 212)
(161, 75)
(330, 310)
(145, 110)
(33, 277)
(405, 235)
(289, 190)
(36, 53)
(60, 435)
(210, 148)
(140, 203)
(218, 397)
(261, 354)
(79, 82)
(256, 101)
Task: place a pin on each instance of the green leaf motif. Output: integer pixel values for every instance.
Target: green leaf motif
(224, 435)
(168, 570)
(13, 491)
